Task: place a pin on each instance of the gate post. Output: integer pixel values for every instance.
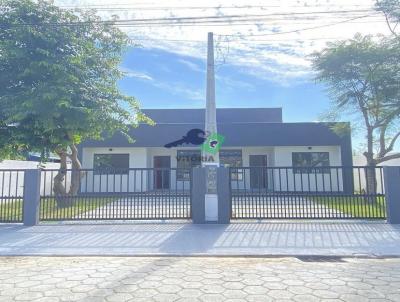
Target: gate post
(31, 201)
(199, 191)
(392, 193)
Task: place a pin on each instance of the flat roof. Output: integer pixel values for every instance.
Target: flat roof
(235, 133)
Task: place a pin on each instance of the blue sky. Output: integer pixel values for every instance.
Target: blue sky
(262, 62)
(161, 79)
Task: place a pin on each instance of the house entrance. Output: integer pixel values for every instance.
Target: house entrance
(162, 166)
(258, 171)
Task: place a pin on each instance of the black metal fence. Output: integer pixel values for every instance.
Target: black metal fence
(125, 194)
(307, 193)
(11, 195)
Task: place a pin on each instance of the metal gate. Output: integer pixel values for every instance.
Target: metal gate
(307, 193)
(11, 195)
(124, 194)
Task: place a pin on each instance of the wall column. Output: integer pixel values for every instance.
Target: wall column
(392, 193)
(31, 201)
(218, 212)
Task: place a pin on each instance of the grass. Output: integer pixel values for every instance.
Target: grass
(11, 210)
(50, 211)
(356, 206)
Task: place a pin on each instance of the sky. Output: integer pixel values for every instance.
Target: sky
(262, 50)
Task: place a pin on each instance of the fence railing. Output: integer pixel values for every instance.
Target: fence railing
(119, 194)
(308, 192)
(11, 195)
(157, 193)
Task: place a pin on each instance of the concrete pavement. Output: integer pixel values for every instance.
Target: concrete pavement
(343, 238)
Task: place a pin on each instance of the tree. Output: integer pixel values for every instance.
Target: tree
(391, 11)
(58, 79)
(363, 80)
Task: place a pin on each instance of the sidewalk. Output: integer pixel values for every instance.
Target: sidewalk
(339, 238)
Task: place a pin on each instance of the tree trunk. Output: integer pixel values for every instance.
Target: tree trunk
(64, 198)
(370, 180)
(76, 173)
(59, 189)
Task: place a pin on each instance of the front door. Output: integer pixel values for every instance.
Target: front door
(162, 165)
(258, 171)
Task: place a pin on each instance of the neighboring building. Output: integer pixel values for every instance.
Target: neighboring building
(253, 137)
(360, 160)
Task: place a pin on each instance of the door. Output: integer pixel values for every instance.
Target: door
(162, 165)
(258, 171)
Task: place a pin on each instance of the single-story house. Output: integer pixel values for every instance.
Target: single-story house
(254, 137)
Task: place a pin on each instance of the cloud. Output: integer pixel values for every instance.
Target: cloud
(228, 82)
(272, 48)
(192, 66)
(130, 73)
(176, 88)
(181, 89)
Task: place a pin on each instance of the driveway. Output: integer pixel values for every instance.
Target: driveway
(54, 279)
(291, 238)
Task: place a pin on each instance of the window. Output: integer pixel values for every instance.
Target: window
(232, 158)
(115, 163)
(186, 160)
(310, 160)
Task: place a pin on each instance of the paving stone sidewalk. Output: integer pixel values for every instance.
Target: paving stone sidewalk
(86, 279)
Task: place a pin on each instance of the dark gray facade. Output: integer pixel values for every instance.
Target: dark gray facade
(241, 127)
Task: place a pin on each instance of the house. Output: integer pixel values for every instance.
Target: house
(254, 137)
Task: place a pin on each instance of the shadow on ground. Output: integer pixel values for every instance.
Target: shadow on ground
(242, 238)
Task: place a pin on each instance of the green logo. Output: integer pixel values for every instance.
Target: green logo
(213, 143)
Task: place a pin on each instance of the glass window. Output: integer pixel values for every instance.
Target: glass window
(186, 160)
(115, 163)
(232, 158)
(310, 160)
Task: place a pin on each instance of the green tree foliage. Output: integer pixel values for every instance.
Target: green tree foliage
(363, 78)
(58, 81)
(391, 11)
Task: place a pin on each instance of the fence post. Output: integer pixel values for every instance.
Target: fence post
(31, 197)
(392, 193)
(224, 195)
(199, 192)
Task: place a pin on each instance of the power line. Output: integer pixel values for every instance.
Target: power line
(254, 22)
(198, 19)
(241, 40)
(304, 29)
(130, 6)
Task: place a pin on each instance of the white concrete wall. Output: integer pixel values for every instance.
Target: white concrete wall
(134, 181)
(174, 183)
(312, 182)
(12, 183)
(246, 152)
(276, 156)
(360, 179)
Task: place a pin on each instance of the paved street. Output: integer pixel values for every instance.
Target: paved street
(137, 279)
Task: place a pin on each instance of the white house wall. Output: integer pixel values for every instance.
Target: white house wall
(313, 182)
(142, 180)
(134, 181)
(246, 152)
(174, 184)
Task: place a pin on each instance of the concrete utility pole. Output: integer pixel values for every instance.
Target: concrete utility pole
(211, 166)
(211, 112)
